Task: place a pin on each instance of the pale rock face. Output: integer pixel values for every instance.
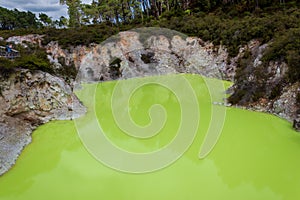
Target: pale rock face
(156, 55)
(128, 42)
(72, 56)
(259, 54)
(285, 105)
(33, 39)
(14, 136)
(38, 92)
(27, 100)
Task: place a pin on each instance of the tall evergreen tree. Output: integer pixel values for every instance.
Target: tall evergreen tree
(73, 11)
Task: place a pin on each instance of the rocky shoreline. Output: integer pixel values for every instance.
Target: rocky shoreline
(31, 98)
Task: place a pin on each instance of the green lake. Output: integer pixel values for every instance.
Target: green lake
(256, 155)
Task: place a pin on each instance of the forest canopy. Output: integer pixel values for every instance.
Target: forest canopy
(15, 19)
(128, 11)
(125, 11)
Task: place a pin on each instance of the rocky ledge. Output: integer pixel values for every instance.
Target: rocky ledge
(27, 100)
(138, 54)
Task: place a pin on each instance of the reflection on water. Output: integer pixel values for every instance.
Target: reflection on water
(256, 157)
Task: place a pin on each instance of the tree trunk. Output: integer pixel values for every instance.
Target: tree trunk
(117, 16)
(154, 9)
(167, 5)
(123, 13)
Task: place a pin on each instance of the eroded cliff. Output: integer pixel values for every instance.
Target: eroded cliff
(29, 99)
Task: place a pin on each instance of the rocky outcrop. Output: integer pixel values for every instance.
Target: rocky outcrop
(284, 106)
(14, 136)
(142, 52)
(128, 56)
(69, 57)
(27, 39)
(262, 86)
(27, 100)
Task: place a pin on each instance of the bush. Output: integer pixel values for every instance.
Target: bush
(276, 91)
(6, 67)
(33, 58)
(84, 35)
(293, 60)
(33, 62)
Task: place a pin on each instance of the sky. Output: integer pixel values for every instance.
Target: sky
(50, 7)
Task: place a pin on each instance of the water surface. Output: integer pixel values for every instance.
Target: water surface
(256, 156)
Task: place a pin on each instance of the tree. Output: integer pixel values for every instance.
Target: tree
(63, 22)
(90, 13)
(73, 11)
(45, 19)
(14, 19)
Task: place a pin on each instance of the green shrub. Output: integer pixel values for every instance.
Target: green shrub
(6, 67)
(66, 72)
(293, 60)
(276, 91)
(33, 62)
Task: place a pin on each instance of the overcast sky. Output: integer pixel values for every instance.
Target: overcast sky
(50, 7)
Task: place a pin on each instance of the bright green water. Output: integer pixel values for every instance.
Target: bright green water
(256, 157)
